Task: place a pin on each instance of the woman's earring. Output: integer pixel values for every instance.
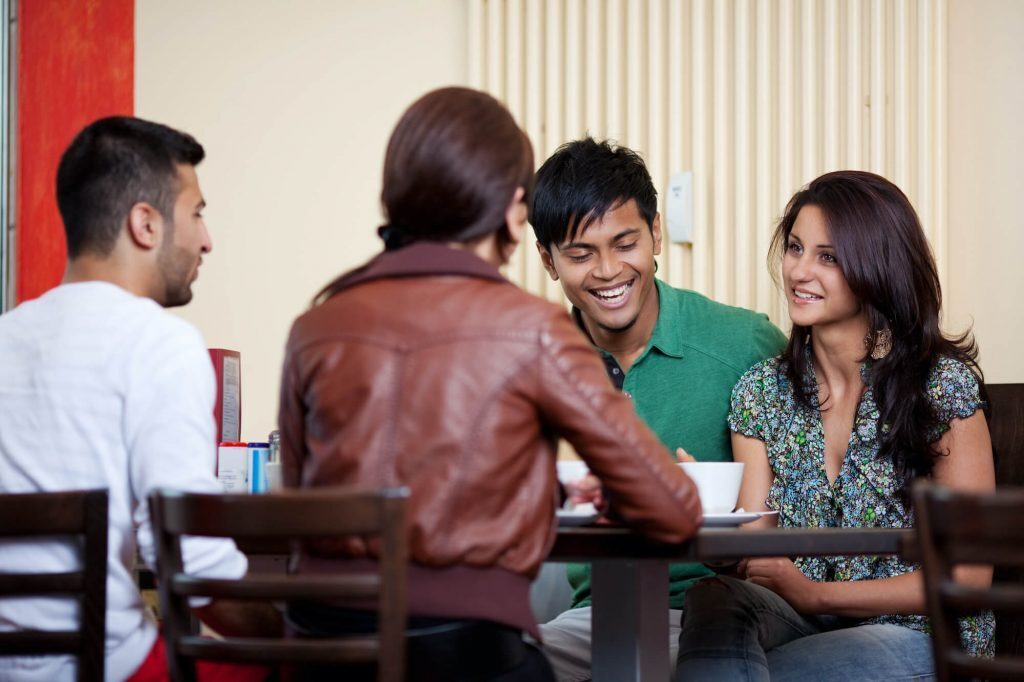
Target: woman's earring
(882, 343)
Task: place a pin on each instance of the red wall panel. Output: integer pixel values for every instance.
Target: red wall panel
(76, 63)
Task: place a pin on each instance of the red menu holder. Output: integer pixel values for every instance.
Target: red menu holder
(228, 410)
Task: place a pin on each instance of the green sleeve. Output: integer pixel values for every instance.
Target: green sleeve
(769, 339)
(766, 341)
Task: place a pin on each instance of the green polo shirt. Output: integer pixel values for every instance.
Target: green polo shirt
(681, 386)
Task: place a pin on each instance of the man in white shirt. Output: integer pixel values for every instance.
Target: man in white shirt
(102, 388)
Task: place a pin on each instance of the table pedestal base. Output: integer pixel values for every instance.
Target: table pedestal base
(629, 627)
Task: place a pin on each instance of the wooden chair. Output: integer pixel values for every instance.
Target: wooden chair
(956, 528)
(78, 514)
(1006, 426)
(291, 515)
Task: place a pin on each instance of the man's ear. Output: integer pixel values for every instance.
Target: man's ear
(145, 226)
(656, 233)
(548, 261)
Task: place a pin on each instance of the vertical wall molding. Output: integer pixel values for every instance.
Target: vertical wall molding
(756, 97)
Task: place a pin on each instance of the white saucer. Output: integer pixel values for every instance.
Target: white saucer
(736, 518)
(568, 517)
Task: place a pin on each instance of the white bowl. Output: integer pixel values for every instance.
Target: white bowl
(718, 484)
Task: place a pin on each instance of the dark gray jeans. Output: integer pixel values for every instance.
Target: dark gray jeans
(736, 630)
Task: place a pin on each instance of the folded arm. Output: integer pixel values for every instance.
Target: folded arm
(577, 400)
(968, 466)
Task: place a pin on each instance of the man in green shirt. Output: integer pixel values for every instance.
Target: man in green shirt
(676, 353)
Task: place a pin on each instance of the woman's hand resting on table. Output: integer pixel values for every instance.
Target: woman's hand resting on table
(781, 576)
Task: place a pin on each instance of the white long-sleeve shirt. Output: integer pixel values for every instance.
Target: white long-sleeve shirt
(103, 389)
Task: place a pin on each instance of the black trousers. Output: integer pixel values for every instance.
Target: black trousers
(438, 649)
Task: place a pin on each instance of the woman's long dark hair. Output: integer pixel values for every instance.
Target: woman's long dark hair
(452, 166)
(888, 264)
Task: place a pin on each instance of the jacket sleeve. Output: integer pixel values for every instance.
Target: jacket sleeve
(578, 401)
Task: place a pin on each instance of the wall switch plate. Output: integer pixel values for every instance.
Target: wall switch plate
(679, 207)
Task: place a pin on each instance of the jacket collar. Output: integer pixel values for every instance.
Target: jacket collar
(418, 260)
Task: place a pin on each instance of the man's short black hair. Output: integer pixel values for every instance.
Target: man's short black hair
(111, 165)
(582, 181)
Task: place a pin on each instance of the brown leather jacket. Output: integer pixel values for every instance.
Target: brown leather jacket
(429, 369)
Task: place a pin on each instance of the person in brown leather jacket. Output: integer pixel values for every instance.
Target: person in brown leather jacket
(426, 368)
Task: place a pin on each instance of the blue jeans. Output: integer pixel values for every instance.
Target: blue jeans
(736, 630)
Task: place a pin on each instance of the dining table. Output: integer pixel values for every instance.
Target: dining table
(629, 580)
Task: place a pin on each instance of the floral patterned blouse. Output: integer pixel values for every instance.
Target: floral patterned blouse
(865, 493)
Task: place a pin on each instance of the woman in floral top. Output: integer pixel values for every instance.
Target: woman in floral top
(867, 396)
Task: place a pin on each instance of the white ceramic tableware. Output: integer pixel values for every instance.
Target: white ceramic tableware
(718, 484)
(571, 470)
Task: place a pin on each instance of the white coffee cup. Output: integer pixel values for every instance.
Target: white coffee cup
(718, 484)
(571, 470)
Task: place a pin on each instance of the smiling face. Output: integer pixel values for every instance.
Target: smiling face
(607, 271)
(185, 241)
(816, 288)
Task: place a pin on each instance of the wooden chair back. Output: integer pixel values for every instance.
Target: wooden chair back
(322, 513)
(1006, 426)
(82, 516)
(956, 528)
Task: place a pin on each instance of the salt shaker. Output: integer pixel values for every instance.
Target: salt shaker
(275, 446)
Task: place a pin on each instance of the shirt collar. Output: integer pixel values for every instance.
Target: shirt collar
(669, 328)
(667, 334)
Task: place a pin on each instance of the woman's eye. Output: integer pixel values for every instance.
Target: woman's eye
(828, 257)
(793, 247)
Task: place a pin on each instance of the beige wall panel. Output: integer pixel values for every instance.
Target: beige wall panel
(986, 180)
(294, 102)
(761, 97)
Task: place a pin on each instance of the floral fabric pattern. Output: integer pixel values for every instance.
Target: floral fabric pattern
(865, 493)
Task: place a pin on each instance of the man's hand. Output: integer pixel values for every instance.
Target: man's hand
(684, 456)
(241, 618)
(781, 576)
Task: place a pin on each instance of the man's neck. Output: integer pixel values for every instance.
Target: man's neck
(93, 269)
(626, 345)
